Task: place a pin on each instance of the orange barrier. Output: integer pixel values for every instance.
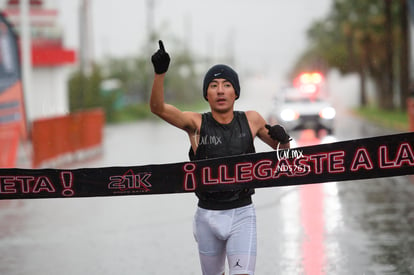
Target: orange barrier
(9, 143)
(61, 139)
(91, 126)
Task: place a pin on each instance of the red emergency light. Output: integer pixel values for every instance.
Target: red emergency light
(309, 82)
(310, 78)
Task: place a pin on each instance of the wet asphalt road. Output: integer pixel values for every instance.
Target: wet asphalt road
(358, 227)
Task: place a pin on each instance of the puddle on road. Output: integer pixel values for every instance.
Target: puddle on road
(384, 211)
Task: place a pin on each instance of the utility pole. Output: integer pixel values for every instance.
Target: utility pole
(85, 37)
(26, 56)
(150, 44)
(405, 57)
(387, 100)
(85, 60)
(150, 21)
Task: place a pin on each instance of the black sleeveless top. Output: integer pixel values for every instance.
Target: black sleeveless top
(220, 140)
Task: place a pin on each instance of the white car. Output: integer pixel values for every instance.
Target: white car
(295, 110)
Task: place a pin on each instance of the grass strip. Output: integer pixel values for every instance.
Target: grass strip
(395, 119)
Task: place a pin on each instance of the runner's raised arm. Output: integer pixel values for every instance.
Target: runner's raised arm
(168, 112)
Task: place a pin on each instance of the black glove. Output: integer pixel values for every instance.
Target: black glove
(160, 59)
(277, 132)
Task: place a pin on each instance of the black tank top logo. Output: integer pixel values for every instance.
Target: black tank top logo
(206, 140)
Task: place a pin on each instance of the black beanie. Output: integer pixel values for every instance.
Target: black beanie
(221, 71)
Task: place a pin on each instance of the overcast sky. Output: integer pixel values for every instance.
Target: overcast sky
(263, 35)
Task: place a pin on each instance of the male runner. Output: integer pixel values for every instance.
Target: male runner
(225, 222)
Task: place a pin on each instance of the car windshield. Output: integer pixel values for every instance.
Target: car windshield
(294, 95)
(302, 100)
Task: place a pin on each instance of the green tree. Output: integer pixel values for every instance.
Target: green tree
(84, 90)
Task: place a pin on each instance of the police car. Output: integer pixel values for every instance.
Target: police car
(302, 106)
